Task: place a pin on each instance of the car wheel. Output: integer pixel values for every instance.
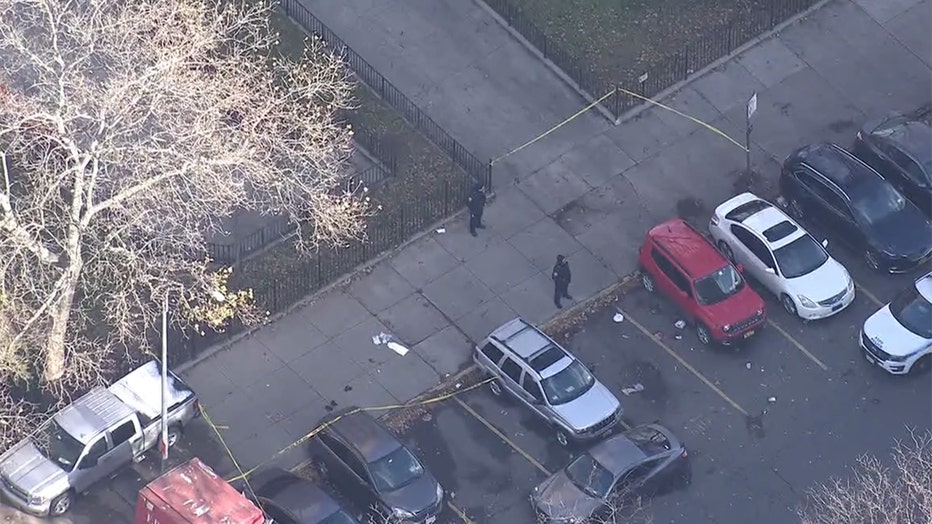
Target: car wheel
(726, 250)
(705, 336)
(561, 438)
(61, 504)
(648, 282)
(796, 210)
(321, 468)
(921, 366)
(174, 435)
(872, 260)
(789, 305)
(495, 387)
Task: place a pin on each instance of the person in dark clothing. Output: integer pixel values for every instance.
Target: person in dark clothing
(476, 204)
(561, 281)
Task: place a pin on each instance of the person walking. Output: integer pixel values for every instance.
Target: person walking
(476, 204)
(561, 281)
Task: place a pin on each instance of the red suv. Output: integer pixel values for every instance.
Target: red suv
(678, 261)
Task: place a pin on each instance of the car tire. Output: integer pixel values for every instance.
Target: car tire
(562, 439)
(921, 366)
(320, 467)
(795, 209)
(174, 434)
(725, 249)
(872, 259)
(648, 282)
(61, 504)
(495, 388)
(789, 305)
(704, 334)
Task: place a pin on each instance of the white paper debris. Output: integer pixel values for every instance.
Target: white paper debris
(680, 324)
(748, 365)
(381, 338)
(637, 388)
(398, 348)
(772, 399)
(678, 337)
(618, 318)
(441, 230)
(459, 385)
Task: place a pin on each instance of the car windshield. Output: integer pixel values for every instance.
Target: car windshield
(58, 445)
(340, 517)
(718, 286)
(875, 203)
(395, 470)
(913, 311)
(800, 257)
(568, 385)
(589, 476)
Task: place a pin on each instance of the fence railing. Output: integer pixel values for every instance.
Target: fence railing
(275, 292)
(479, 170)
(695, 55)
(373, 145)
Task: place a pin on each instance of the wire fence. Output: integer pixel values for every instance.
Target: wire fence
(480, 171)
(695, 55)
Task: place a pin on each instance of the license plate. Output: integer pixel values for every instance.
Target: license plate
(871, 359)
(749, 334)
(430, 520)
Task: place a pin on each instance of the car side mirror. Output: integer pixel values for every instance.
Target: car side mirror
(770, 270)
(824, 242)
(740, 268)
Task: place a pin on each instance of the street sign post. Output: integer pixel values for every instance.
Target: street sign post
(752, 108)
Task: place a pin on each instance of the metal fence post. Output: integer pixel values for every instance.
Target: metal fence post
(320, 277)
(488, 175)
(616, 108)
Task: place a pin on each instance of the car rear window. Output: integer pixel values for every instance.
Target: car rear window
(547, 358)
(742, 212)
(779, 231)
(649, 440)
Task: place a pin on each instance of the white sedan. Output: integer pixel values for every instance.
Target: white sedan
(898, 338)
(777, 252)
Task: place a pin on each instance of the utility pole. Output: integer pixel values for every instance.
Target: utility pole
(752, 108)
(164, 443)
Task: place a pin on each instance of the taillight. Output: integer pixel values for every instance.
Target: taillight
(197, 408)
(684, 454)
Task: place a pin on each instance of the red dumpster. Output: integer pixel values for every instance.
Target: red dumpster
(193, 494)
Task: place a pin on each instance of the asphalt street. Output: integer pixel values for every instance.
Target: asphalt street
(792, 406)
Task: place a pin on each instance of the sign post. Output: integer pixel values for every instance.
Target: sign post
(752, 108)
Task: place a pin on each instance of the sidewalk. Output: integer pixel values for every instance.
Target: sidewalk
(588, 192)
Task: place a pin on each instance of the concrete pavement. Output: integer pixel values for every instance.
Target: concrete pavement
(592, 202)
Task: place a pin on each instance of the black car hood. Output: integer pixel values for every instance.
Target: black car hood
(416, 496)
(907, 233)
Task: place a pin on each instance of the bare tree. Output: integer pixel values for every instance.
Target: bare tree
(128, 130)
(876, 493)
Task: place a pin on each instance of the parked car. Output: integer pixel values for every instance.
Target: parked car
(548, 380)
(193, 493)
(898, 338)
(822, 183)
(91, 439)
(679, 262)
(782, 256)
(369, 465)
(289, 499)
(644, 461)
(900, 149)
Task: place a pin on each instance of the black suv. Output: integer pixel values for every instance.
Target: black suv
(369, 465)
(828, 186)
(901, 150)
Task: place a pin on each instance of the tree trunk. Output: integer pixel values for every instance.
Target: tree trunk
(60, 314)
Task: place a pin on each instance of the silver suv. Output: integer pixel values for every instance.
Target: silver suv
(548, 380)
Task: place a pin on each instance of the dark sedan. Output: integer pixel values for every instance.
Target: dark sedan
(900, 149)
(643, 461)
(289, 499)
(830, 188)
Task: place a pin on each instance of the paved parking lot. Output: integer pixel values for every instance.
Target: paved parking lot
(763, 422)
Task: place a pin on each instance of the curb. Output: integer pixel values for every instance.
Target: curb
(632, 113)
(312, 297)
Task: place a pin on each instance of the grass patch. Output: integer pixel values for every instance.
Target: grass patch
(409, 201)
(621, 39)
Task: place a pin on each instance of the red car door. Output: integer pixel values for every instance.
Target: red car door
(672, 282)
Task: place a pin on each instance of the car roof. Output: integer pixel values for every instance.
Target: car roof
(364, 433)
(532, 346)
(688, 247)
(773, 220)
(912, 136)
(837, 165)
(300, 497)
(617, 454)
(924, 286)
(91, 414)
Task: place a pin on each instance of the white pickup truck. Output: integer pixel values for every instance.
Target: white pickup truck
(91, 439)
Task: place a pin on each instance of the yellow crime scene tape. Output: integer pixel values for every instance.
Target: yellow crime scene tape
(243, 475)
(576, 115)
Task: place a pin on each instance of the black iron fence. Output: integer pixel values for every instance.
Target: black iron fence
(477, 169)
(369, 141)
(695, 55)
(275, 291)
